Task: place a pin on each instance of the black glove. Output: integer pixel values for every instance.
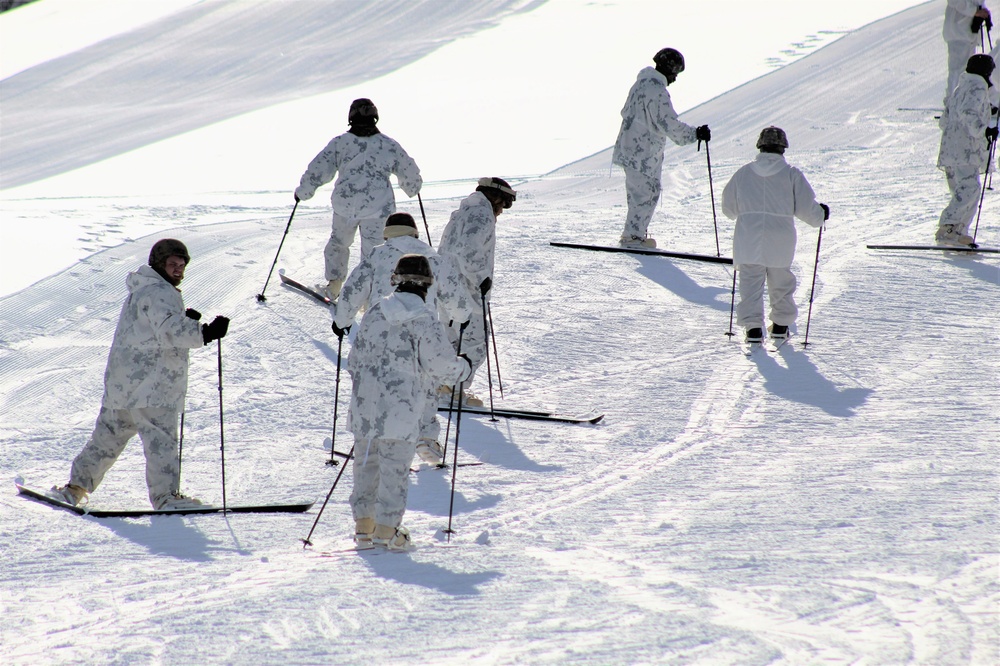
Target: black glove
(296, 198)
(467, 360)
(464, 325)
(191, 313)
(991, 133)
(977, 23)
(826, 212)
(485, 287)
(216, 330)
(703, 134)
(338, 331)
(993, 110)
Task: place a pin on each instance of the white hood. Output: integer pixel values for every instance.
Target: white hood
(768, 164)
(401, 307)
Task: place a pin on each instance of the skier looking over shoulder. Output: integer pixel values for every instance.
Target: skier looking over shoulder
(145, 381)
(400, 354)
(964, 21)
(469, 242)
(969, 129)
(764, 197)
(648, 120)
(362, 195)
(371, 281)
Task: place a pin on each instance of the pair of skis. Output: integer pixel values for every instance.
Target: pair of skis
(42, 496)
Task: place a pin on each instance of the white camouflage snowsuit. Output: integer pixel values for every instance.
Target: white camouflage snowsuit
(145, 383)
(648, 120)
(964, 152)
(764, 197)
(469, 242)
(399, 355)
(962, 42)
(369, 283)
(362, 194)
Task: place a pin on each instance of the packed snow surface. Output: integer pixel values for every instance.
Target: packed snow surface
(832, 503)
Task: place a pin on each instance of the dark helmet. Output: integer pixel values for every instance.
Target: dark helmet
(400, 224)
(669, 61)
(362, 112)
(413, 269)
(497, 189)
(772, 136)
(164, 249)
(981, 64)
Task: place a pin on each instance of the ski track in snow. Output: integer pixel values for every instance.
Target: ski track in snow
(827, 504)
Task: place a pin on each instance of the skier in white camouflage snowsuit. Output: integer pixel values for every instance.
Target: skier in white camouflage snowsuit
(146, 380)
(362, 195)
(969, 127)
(371, 281)
(764, 197)
(400, 353)
(964, 21)
(469, 242)
(648, 120)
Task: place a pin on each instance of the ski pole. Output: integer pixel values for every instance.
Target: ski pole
(812, 291)
(454, 464)
(222, 429)
(336, 402)
(306, 541)
(180, 449)
(451, 403)
(732, 304)
(982, 195)
(489, 373)
(260, 297)
(711, 191)
(496, 356)
(424, 215)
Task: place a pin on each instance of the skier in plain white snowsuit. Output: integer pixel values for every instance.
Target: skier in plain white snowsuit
(371, 281)
(469, 243)
(362, 195)
(145, 380)
(969, 124)
(764, 197)
(960, 17)
(400, 353)
(648, 120)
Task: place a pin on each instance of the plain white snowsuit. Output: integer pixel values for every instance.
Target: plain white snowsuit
(648, 120)
(962, 42)
(145, 383)
(362, 194)
(764, 197)
(400, 353)
(964, 152)
(469, 242)
(370, 282)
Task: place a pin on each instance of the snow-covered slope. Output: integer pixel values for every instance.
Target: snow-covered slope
(833, 504)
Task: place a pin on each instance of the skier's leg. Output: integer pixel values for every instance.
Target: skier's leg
(112, 431)
(781, 285)
(338, 249)
(395, 456)
(959, 53)
(366, 478)
(430, 428)
(474, 344)
(642, 193)
(372, 234)
(158, 432)
(964, 185)
(750, 308)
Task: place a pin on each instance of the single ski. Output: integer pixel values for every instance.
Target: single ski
(775, 345)
(646, 250)
(526, 414)
(751, 348)
(940, 248)
(138, 513)
(304, 289)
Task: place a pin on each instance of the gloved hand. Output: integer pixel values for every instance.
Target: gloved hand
(485, 287)
(303, 193)
(703, 134)
(464, 325)
(991, 133)
(191, 313)
(340, 332)
(216, 330)
(467, 360)
(826, 212)
(296, 198)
